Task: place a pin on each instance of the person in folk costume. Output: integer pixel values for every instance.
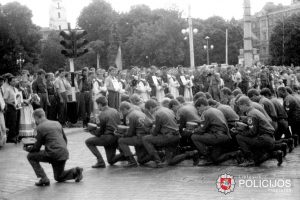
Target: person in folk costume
(2, 120)
(179, 77)
(173, 85)
(114, 88)
(214, 83)
(164, 77)
(123, 81)
(188, 84)
(150, 79)
(98, 89)
(143, 88)
(27, 123)
(160, 86)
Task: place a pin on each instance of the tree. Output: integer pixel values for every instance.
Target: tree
(51, 57)
(17, 35)
(97, 47)
(285, 42)
(97, 19)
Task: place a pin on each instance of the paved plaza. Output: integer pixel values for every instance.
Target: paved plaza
(181, 182)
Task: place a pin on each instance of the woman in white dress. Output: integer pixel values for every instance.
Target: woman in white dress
(160, 87)
(142, 88)
(188, 92)
(173, 85)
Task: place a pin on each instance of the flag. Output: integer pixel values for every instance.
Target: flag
(119, 59)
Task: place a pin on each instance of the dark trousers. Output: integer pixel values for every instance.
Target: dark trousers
(296, 129)
(256, 147)
(137, 142)
(169, 142)
(62, 113)
(12, 119)
(85, 99)
(283, 129)
(110, 144)
(53, 108)
(60, 174)
(209, 139)
(113, 99)
(43, 101)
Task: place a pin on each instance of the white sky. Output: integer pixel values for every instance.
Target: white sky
(200, 8)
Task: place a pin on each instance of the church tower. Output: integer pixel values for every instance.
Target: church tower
(58, 17)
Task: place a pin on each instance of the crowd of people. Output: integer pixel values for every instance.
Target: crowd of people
(214, 113)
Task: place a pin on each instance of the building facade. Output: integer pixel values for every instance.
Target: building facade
(263, 23)
(58, 17)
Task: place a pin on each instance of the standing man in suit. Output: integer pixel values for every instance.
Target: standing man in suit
(52, 136)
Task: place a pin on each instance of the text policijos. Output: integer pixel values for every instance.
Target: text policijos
(265, 183)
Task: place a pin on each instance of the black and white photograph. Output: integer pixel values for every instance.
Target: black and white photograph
(149, 99)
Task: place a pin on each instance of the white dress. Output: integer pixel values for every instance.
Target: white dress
(143, 89)
(188, 92)
(160, 93)
(173, 86)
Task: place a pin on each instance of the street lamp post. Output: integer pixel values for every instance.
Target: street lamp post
(20, 61)
(207, 48)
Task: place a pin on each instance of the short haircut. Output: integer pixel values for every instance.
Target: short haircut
(212, 102)
(266, 92)
(102, 101)
(244, 100)
(170, 96)
(165, 101)
(125, 105)
(237, 91)
(173, 103)
(180, 99)
(39, 113)
(125, 97)
(208, 95)
(60, 70)
(226, 91)
(151, 103)
(289, 90)
(199, 95)
(135, 99)
(253, 92)
(201, 101)
(282, 89)
(41, 71)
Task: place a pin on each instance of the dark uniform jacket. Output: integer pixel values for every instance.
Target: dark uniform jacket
(257, 124)
(292, 107)
(229, 114)
(213, 120)
(281, 113)
(260, 108)
(52, 136)
(165, 122)
(109, 119)
(187, 113)
(39, 86)
(269, 108)
(135, 120)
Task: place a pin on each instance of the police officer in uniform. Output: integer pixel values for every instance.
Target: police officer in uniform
(256, 140)
(135, 119)
(283, 125)
(268, 106)
(292, 107)
(104, 135)
(165, 133)
(213, 133)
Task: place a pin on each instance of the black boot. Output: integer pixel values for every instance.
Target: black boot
(79, 174)
(43, 182)
(295, 137)
(117, 158)
(131, 162)
(279, 157)
(290, 143)
(99, 164)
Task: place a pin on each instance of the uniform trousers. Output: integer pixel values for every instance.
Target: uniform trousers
(110, 144)
(169, 141)
(202, 141)
(255, 147)
(60, 174)
(283, 129)
(140, 150)
(85, 106)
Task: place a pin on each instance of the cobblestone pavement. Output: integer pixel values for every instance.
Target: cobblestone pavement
(180, 182)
